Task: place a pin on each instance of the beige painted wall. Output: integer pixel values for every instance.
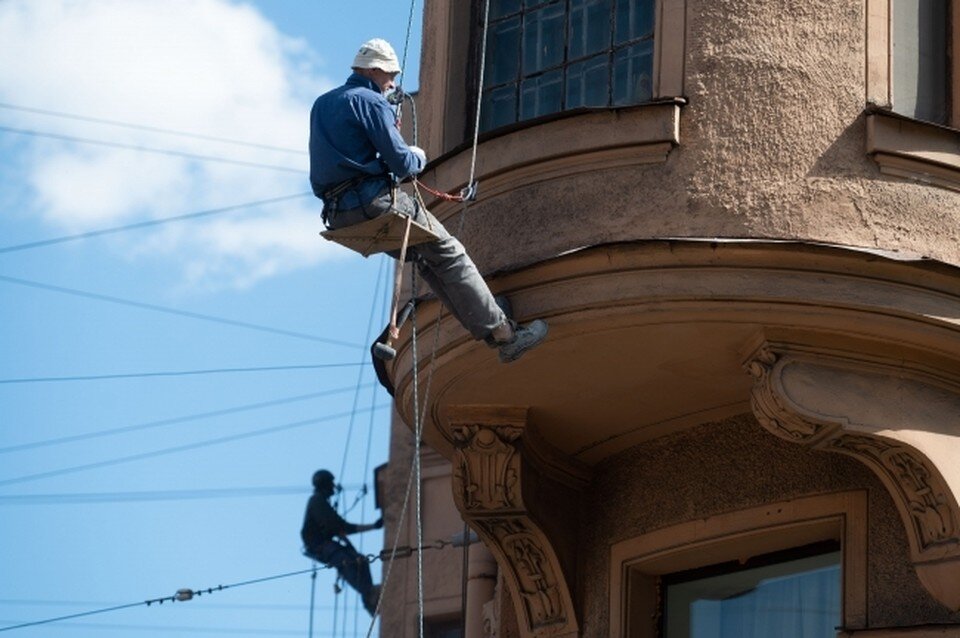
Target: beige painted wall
(772, 145)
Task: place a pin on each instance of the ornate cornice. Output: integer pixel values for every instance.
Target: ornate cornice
(900, 421)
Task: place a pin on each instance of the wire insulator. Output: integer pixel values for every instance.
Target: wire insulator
(183, 595)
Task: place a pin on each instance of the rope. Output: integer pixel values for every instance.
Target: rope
(313, 596)
(483, 68)
(418, 435)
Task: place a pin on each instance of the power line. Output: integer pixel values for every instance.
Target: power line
(174, 311)
(155, 495)
(184, 595)
(146, 127)
(146, 224)
(182, 629)
(178, 373)
(148, 149)
(180, 596)
(172, 421)
(34, 602)
(181, 448)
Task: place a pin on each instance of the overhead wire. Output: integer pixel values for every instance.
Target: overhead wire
(180, 448)
(180, 373)
(146, 224)
(181, 596)
(147, 127)
(186, 594)
(148, 149)
(83, 498)
(172, 421)
(174, 311)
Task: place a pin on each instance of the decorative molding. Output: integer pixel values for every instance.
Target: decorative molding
(822, 399)
(919, 151)
(919, 486)
(489, 469)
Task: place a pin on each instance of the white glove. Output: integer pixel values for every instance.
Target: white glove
(419, 152)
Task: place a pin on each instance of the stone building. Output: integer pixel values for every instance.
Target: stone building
(740, 219)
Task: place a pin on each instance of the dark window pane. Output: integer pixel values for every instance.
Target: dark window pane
(543, 37)
(499, 107)
(632, 72)
(500, 8)
(541, 95)
(634, 19)
(792, 599)
(589, 27)
(529, 4)
(587, 82)
(920, 77)
(503, 52)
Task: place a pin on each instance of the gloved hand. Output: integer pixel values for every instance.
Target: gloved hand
(378, 523)
(419, 152)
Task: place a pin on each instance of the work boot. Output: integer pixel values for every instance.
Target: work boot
(524, 338)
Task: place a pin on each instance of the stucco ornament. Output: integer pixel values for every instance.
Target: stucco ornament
(487, 487)
(900, 420)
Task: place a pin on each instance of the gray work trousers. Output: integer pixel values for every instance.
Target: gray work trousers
(443, 264)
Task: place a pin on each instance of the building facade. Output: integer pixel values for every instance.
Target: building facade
(740, 219)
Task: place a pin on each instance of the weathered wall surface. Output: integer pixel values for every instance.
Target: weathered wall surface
(772, 145)
(733, 465)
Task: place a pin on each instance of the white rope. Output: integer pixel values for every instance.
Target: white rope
(483, 67)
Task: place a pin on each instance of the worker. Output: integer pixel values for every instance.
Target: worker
(324, 535)
(357, 155)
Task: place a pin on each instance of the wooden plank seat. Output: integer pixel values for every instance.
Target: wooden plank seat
(380, 234)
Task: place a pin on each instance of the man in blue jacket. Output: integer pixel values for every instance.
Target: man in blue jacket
(356, 153)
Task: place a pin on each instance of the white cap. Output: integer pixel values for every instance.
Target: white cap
(376, 54)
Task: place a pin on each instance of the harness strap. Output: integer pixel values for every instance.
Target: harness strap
(332, 194)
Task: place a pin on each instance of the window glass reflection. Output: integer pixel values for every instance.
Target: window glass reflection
(587, 82)
(543, 36)
(503, 52)
(589, 27)
(632, 68)
(499, 107)
(633, 20)
(541, 95)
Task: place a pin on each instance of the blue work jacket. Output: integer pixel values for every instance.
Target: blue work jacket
(353, 133)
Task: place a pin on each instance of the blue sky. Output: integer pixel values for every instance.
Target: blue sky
(184, 469)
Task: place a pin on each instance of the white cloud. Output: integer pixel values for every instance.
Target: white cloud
(212, 67)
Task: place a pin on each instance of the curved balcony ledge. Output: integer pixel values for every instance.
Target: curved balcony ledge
(647, 339)
(837, 349)
(559, 146)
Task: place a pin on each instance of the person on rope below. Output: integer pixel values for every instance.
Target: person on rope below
(324, 535)
(356, 153)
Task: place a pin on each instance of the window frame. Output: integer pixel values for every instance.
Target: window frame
(638, 564)
(903, 146)
(668, 42)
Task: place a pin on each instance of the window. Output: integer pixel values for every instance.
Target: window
(546, 56)
(774, 564)
(913, 89)
(790, 594)
(920, 64)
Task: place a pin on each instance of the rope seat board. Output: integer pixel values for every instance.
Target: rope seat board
(380, 234)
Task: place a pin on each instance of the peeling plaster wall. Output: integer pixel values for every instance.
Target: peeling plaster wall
(772, 145)
(733, 465)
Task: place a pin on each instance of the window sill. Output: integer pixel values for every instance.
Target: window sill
(560, 147)
(911, 149)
